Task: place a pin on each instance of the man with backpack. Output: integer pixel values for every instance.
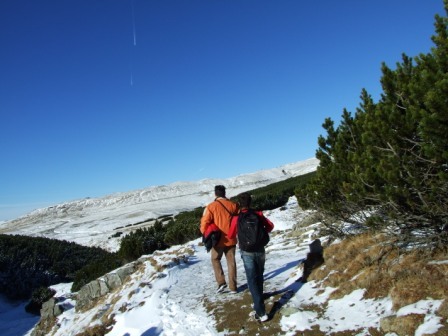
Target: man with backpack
(252, 229)
(220, 213)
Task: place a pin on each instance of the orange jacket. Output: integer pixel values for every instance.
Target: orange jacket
(216, 213)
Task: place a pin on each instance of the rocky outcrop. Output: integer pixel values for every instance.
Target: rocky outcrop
(90, 293)
(86, 298)
(50, 310)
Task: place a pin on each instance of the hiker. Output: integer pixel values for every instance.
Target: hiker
(253, 254)
(219, 213)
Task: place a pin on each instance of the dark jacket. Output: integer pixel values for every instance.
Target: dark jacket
(211, 236)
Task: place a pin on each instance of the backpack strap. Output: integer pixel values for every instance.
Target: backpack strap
(217, 200)
(244, 212)
(230, 214)
(247, 212)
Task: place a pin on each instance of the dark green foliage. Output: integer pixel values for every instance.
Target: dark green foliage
(184, 227)
(164, 233)
(116, 234)
(391, 157)
(143, 241)
(38, 297)
(95, 269)
(277, 194)
(28, 263)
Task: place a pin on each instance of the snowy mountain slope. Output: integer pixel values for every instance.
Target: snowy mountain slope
(92, 222)
(181, 299)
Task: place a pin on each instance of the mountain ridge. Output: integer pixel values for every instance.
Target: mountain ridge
(94, 221)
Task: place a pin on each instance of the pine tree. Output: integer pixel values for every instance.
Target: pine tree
(391, 158)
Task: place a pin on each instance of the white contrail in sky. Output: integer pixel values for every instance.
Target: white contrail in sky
(135, 38)
(133, 22)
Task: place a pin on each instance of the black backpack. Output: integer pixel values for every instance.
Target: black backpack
(252, 236)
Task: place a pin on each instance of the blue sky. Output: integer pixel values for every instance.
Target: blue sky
(98, 97)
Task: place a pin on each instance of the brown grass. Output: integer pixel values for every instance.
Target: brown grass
(402, 325)
(443, 311)
(416, 278)
(44, 327)
(374, 263)
(154, 263)
(369, 261)
(169, 258)
(100, 329)
(372, 332)
(232, 315)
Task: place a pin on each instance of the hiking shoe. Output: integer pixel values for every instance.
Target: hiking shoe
(221, 288)
(263, 318)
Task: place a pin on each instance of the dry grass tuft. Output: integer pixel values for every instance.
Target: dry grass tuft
(416, 278)
(139, 266)
(189, 251)
(155, 263)
(402, 325)
(44, 327)
(374, 263)
(162, 260)
(319, 309)
(131, 293)
(372, 332)
(232, 315)
(443, 310)
(315, 331)
(99, 329)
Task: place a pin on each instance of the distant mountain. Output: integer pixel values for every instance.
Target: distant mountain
(94, 221)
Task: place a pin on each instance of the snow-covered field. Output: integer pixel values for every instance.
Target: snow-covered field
(92, 222)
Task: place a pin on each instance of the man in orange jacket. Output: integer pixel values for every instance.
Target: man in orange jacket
(220, 213)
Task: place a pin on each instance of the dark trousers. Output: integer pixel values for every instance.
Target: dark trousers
(254, 267)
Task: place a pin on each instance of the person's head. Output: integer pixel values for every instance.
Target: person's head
(244, 200)
(220, 191)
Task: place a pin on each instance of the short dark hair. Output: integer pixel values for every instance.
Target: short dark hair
(244, 199)
(220, 191)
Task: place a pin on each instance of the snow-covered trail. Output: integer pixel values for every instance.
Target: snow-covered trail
(174, 305)
(174, 302)
(171, 294)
